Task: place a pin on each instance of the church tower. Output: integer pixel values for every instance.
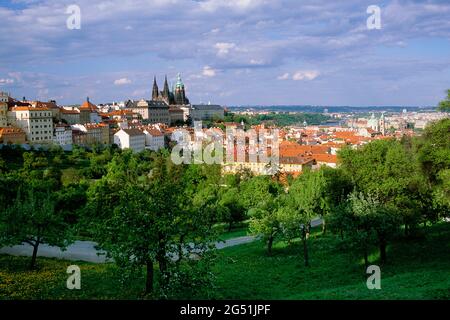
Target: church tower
(166, 92)
(382, 124)
(155, 91)
(179, 92)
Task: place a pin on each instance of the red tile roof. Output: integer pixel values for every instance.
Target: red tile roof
(87, 105)
(29, 109)
(327, 158)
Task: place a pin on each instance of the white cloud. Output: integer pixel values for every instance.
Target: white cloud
(284, 76)
(6, 81)
(236, 5)
(209, 72)
(305, 75)
(223, 48)
(257, 62)
(122, 81)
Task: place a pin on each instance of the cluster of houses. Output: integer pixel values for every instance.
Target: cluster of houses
(137, 125)
(151, 124)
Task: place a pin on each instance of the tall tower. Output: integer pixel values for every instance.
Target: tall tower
(4, 98)
(166, 92)
(179, 92)
(155, 91)
(382, 125)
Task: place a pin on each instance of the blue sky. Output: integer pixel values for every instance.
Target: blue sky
(232, 52)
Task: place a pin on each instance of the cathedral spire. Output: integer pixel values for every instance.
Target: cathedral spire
(166, 89)
(155, 91)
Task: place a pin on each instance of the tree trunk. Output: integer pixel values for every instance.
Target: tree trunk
(406, 230)
(324, 226)
(305, 246)
(161, 258)
(230, 226)
(180, 249)
(33, 257)
(366, 257)
(342, 234)
(269, 245)
(383, 251)
(149, 278)
(162, 267)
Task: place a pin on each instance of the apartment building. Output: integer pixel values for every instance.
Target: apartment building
(133, 139)
(154, 139)
(37, 123)
(95, 133)
(63, 135)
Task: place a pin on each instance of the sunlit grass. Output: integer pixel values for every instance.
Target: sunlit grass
(416, 269)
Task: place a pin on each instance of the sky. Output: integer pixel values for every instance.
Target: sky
(229, 52)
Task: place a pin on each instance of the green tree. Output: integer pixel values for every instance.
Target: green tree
(148, 218)
(354, 225)
(373, 219)
(433, 149)
(32, 219)
(391, 170)
(337, 188)
(444, 105)
(232, 208)
(306, 201)
(261, 198)
(2, 165)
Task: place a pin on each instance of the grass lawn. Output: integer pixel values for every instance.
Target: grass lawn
(416, 269)
(235, 233)
(238, 230)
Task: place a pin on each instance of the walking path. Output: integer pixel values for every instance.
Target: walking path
(86, 251)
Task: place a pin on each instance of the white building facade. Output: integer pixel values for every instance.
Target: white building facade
(154, 139)
(37, 123)
(133, 139)
(62, 135)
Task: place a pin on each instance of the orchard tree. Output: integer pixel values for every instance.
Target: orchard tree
(354, 225)
(32, 219)
(3, 167)
(232, 208)
(261, 196)
(433, 149)
(337, 188)
(149, 218)
(374, 218)
(445, 104)
(306, 201)
(390, 170)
